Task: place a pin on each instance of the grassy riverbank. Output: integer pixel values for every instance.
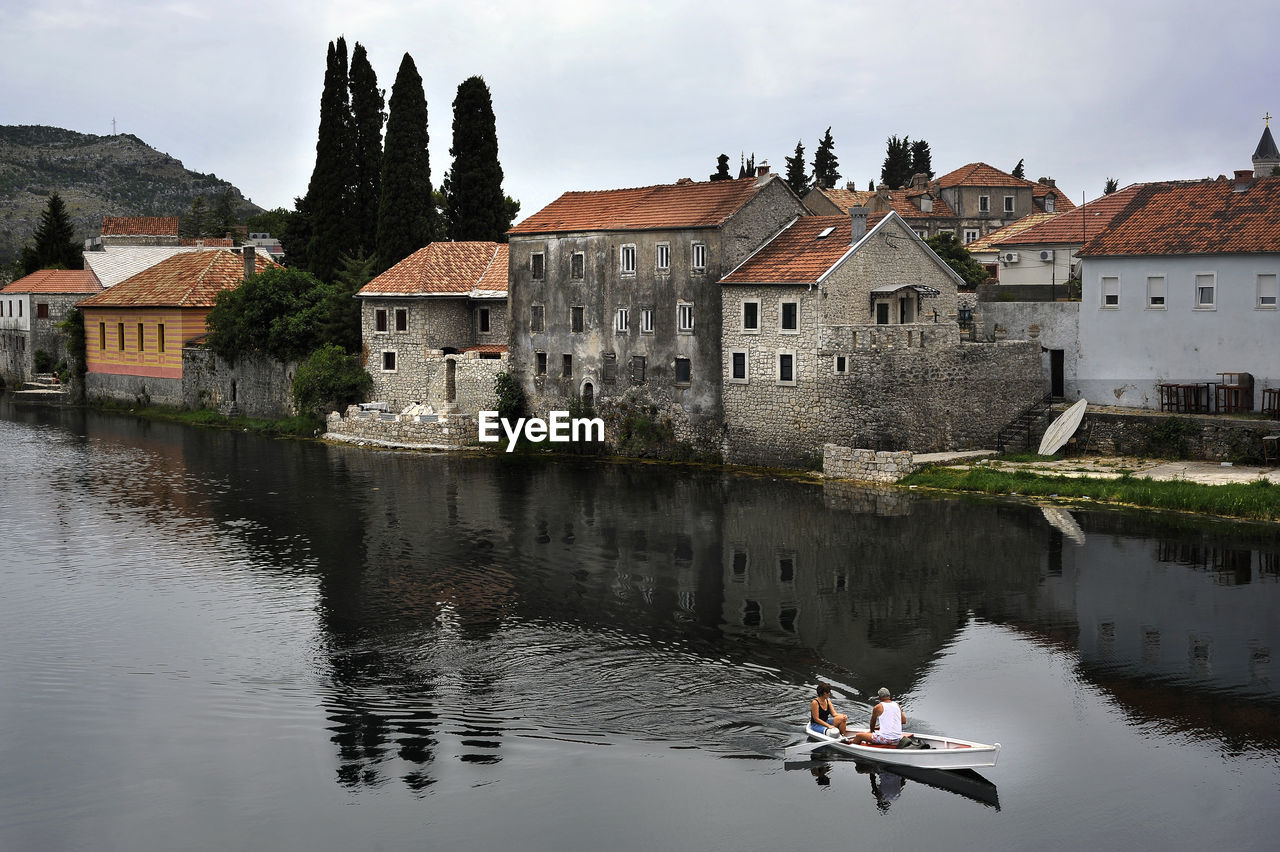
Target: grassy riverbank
(290, 427)
(1258, 500)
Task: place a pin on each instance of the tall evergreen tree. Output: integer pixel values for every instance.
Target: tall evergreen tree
(825, 165)
(722, 168)
(55, 246)
(1019, 171)
(921, 159)
(871, 186)
(896, 171)
(477, 208)
(222, 218)
(328, 194)
(1112, 186)
(797, 179)
(193, 225)
(366, 151)
(406, 209)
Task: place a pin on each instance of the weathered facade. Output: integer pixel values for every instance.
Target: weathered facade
(31, 309)
(615, 295)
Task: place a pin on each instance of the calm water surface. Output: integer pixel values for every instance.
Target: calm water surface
(209, 640)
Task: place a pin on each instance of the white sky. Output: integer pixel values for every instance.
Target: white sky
(597, 95)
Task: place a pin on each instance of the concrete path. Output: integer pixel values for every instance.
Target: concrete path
(1111, 467)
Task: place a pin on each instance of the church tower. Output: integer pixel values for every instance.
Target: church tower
(1266, 159)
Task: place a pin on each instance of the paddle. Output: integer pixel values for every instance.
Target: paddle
(805, 747)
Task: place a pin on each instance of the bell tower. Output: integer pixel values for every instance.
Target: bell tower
(1266, 159)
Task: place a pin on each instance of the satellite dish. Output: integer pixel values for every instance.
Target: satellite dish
(1061, 430)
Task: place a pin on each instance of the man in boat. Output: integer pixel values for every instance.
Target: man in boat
(823, 717)
(886, 723)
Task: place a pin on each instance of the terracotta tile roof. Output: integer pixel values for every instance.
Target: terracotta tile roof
(446, 269)
(186, 280)
(1061, 203)
(1195, 217)
(1008, 232)
(798, 255)
(1071, 227)
(486, 348)
(113, 264)
(980, 174)
(907, 209)
(208, 242)
(690, 204)
(846, 198)
(56, 281)
(149, 226)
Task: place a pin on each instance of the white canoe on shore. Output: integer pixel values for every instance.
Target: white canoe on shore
(942, 752)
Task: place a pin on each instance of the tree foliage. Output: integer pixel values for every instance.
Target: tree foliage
(406, 212)
(328, 193)
(477, 207)
(921, 159)
(273, 222)
(948, 247)
(897, 169)
(366, 152)
(797, 178)
(1112, 185)
(512, 403)
(284, 313)
(329, 380)
(54, 245)
(1019, 171)
(722, 168)
(826, 167)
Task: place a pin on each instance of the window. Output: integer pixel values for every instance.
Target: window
(1155, 292)
(842, 365)
(537, 318)
(42, 310)
(1110, 291)
(541, 363)
(786, 368)
(388, 361)
(402, 319)
(882, 313)
(19, 307)
(102, 335)
(538, 266)
(1008, 204)
(751, 317)
(627, 260)
(484, 320)
(567, 369)
(1049, 203)
(1205, 290)
(970, 234)
(160, 337)
(662, 257)
(646, 321)
(610, 369)
(577, 264)
(576, 321)
(637, 369)
(738, 367)
(683, 371)
(789, 318)
(380, 320)
(620, 321)
(684, 317)
(1268, 290)
(699, 257)
(141, 339)
(120, 336)
(984, 203)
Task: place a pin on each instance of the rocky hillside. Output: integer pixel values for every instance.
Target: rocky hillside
(96, 176)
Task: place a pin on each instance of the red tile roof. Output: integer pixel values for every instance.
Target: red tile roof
(149, 226)
(690, 204)
(56, 281)
(1072, 227)
(444, 268)
(208, 242)
(187, 280)
(846, 198)
(1009, 233)
(907, 209)
(486, 348)
(1061, 202)
(797, 255)
(980, 174)
(1195, 217)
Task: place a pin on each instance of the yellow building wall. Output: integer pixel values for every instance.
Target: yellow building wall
(105, 354)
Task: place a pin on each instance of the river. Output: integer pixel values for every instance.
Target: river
(214, 640)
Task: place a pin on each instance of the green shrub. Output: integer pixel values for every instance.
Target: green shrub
(43, 361)
(512, 404)
(329, 380)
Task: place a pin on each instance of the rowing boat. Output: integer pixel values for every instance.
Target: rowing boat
(941, 752)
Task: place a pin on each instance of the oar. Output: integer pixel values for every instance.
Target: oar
(805, 747)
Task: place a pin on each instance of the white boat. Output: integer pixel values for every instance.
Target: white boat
(941, 753)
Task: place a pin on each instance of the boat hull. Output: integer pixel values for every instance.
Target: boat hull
(943, 752)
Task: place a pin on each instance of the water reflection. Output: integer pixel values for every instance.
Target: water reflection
(887, 784)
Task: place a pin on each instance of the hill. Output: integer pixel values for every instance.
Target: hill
(96, 176)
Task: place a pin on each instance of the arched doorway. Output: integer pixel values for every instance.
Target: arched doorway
(451, 380)
(588, 394)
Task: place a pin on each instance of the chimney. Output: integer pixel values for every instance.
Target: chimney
(250, 262)
(762, 170)
(1048, 182)
(858, 217)
(1244, 179)
(919, 180)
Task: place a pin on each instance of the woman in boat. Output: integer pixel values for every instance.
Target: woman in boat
(823, 718)
(886, 723)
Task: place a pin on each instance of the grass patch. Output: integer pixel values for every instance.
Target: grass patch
(1258, 500)
(300, 426)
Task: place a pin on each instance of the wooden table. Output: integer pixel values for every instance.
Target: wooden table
(1271, 402)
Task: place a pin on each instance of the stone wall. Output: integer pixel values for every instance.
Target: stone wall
(866, 465)
(1054, 325)
(15, 355)
(254, 385)
(428, 431)
(424, 378)
(1173, 436)
(139, 390)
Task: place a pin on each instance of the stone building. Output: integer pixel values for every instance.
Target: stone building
(30, 310)
(615, 294)
(435, 327)
(836, 333)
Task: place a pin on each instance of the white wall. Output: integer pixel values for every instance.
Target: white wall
(1030, 269)
(1127, 350)
(10, 304)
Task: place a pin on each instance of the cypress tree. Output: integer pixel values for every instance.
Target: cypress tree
(329, 191)
(366, 150)
(896, 171)
(722, 168)
(825, 165)
(921, 159)
(406, 209)
(796, 177)
(473, 187)
(55, 246)
(1019, 171)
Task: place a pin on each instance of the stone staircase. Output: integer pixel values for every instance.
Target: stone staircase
(1019, 431)
(42, 387)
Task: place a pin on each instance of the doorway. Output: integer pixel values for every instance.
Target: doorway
(1057, 373)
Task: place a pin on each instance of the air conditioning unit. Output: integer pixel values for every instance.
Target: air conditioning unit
(1047, 254)
(1010, 257)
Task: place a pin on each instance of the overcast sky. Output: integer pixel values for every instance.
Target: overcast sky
(597, 95)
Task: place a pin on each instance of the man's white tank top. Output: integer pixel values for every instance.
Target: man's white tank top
(890, 720)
